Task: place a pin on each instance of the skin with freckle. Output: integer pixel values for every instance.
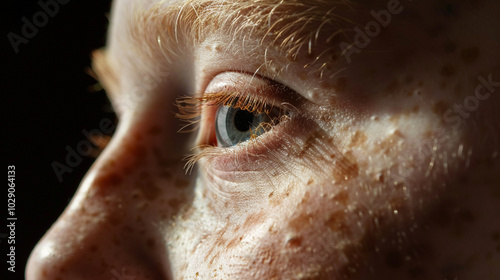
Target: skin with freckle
(386, 166)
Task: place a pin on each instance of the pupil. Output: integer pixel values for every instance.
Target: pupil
(243, 120)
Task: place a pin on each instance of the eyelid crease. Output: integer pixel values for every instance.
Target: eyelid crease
(191, 108)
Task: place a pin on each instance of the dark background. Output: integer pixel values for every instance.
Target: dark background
(47, 101)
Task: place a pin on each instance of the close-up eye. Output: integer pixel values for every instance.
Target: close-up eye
(234, 125)
(235, 108)
(257, 139)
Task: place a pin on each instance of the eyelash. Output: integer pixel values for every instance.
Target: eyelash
(191, 110)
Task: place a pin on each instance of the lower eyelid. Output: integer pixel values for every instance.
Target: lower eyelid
(254, 154)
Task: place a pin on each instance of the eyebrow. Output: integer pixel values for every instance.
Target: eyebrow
(295, 27)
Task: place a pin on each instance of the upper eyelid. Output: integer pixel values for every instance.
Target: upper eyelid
(257, 89)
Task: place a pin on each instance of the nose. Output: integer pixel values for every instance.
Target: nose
(111, 228)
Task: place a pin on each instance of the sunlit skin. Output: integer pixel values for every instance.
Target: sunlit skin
(386, 166)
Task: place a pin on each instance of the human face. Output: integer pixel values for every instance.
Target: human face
(381, 161)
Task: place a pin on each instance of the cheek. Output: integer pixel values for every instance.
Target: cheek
(331, 207)
(319, 222)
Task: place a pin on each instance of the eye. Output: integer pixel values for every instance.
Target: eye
(234, 125)
(237, 107)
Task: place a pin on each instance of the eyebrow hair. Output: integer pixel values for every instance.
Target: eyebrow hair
(293, 26)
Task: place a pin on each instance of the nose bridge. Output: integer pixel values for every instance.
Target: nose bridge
(110, 230)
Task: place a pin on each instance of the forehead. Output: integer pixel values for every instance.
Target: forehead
(311, 32)
(310, 29)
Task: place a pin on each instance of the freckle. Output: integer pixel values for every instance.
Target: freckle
(336, 222)
(253, 219)
(448, 70)
(108, 179)
(213, 259)
(310, 181)
(357, 139)
(342, 198)
(470, 55)
(271, 194)
(334, 57)
(379, 177)
(174, 203)
(149, 189)
(236, 228)
(135, 195)
(394, 119)
(134, 155)
(295, 241)
(300, 222)
(305, 198)
(347, 167)
(233, 242)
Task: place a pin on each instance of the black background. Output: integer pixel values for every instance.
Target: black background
(47, 102)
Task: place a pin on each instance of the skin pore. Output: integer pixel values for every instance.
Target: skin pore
(385, 166)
